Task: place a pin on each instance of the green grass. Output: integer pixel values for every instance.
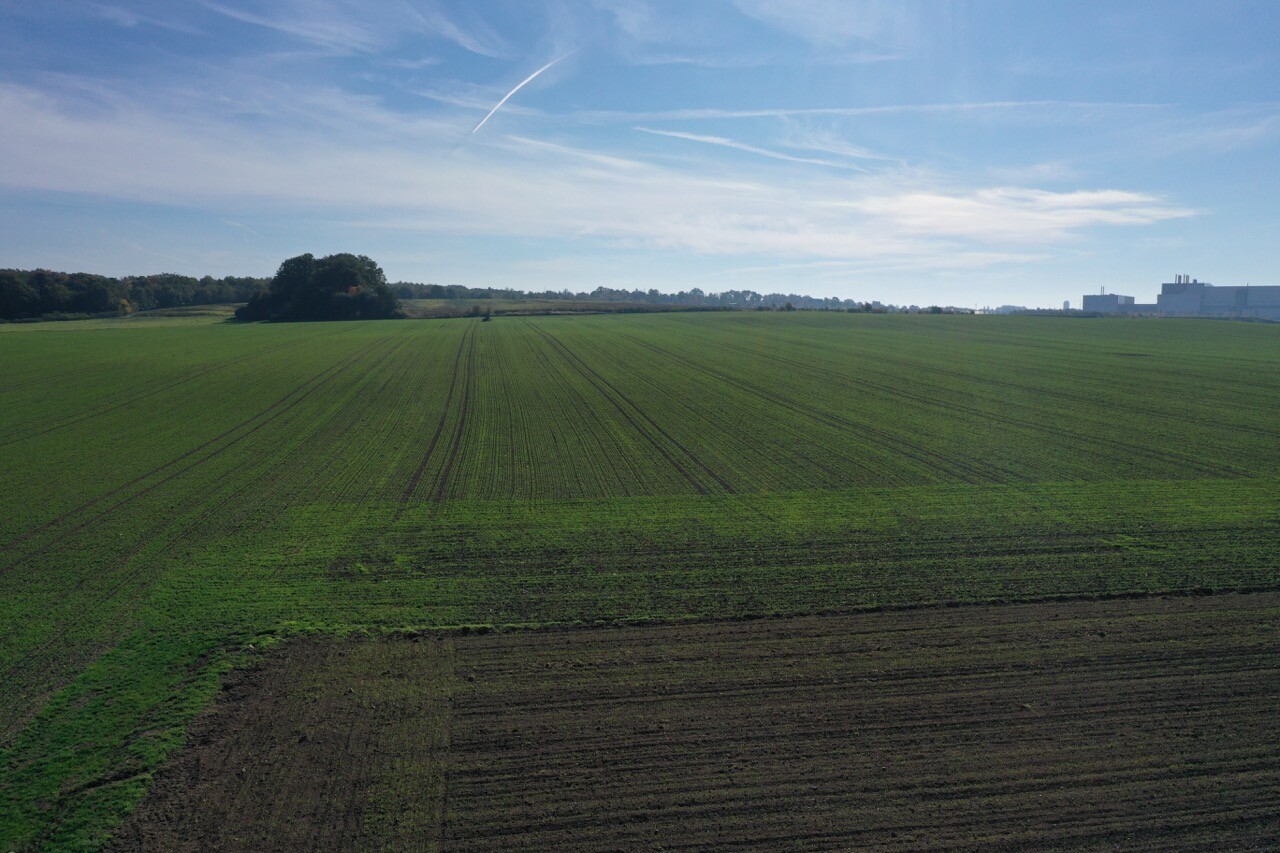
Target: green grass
(174, 491)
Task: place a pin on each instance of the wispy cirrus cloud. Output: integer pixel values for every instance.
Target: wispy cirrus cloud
(319, 24)
(828, 141)
(841, 22)
(375, 170)
(1220, 132)
(475, 35)
(722, 113)
(342, 26)
(725, 142)
(130, 18)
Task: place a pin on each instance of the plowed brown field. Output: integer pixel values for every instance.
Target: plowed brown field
(1143, 724)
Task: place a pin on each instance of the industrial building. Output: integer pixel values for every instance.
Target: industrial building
(1189, 297)
(1107, 303)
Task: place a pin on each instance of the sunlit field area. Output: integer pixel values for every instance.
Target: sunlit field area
(179, 496)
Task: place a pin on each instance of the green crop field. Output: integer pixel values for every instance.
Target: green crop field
(177, 494)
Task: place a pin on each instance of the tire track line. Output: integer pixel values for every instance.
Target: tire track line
(869, 433)
(464, 413)
(268, 415)
(444, 417)
(584, 431)
(128, 577)
(60, 519)
(586, 374)
(617, 398)
(1125, 450)
(190, 377)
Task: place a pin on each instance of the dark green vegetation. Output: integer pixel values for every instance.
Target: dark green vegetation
(1123, 724)
(32, 294)
(335, 287)
(172, 495)
(29, 295)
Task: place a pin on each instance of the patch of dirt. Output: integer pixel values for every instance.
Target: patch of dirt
(1146, 723)
(329, 745)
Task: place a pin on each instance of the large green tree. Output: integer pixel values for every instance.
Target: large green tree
(336, 287)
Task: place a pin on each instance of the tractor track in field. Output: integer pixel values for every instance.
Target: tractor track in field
(464, 414)
(79, 418)
(277, 409)
(444, 419)
(610, 392)
(230, 476)
(1123, 450)
(583, 428)
(160, 468)
(925, 457)
(127, 577)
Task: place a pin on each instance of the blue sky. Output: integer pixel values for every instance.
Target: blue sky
(966, 153)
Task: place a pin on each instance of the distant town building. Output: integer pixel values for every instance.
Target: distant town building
(1189, 297)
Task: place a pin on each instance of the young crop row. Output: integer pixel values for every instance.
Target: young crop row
(255, 481)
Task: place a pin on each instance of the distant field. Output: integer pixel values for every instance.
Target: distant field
(444, 308)
(173, 493)
(186, 315)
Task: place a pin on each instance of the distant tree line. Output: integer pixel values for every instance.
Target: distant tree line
(43, 294)
(695, 297)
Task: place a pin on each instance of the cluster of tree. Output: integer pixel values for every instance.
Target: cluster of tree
(34, 294)
(336, 287)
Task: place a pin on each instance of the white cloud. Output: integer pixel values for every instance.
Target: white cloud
(130, 18)
(1016, 215)
(724, 142)
(840, 22)
(343, 26)
(318, 24)
(476, 36)
(1052, 109)
(828, 142)
(363, 166)
(1220, 132)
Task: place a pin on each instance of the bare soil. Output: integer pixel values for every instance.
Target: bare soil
(329, 745)
(1127, 724)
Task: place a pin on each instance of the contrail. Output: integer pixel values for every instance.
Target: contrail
(523, 83)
